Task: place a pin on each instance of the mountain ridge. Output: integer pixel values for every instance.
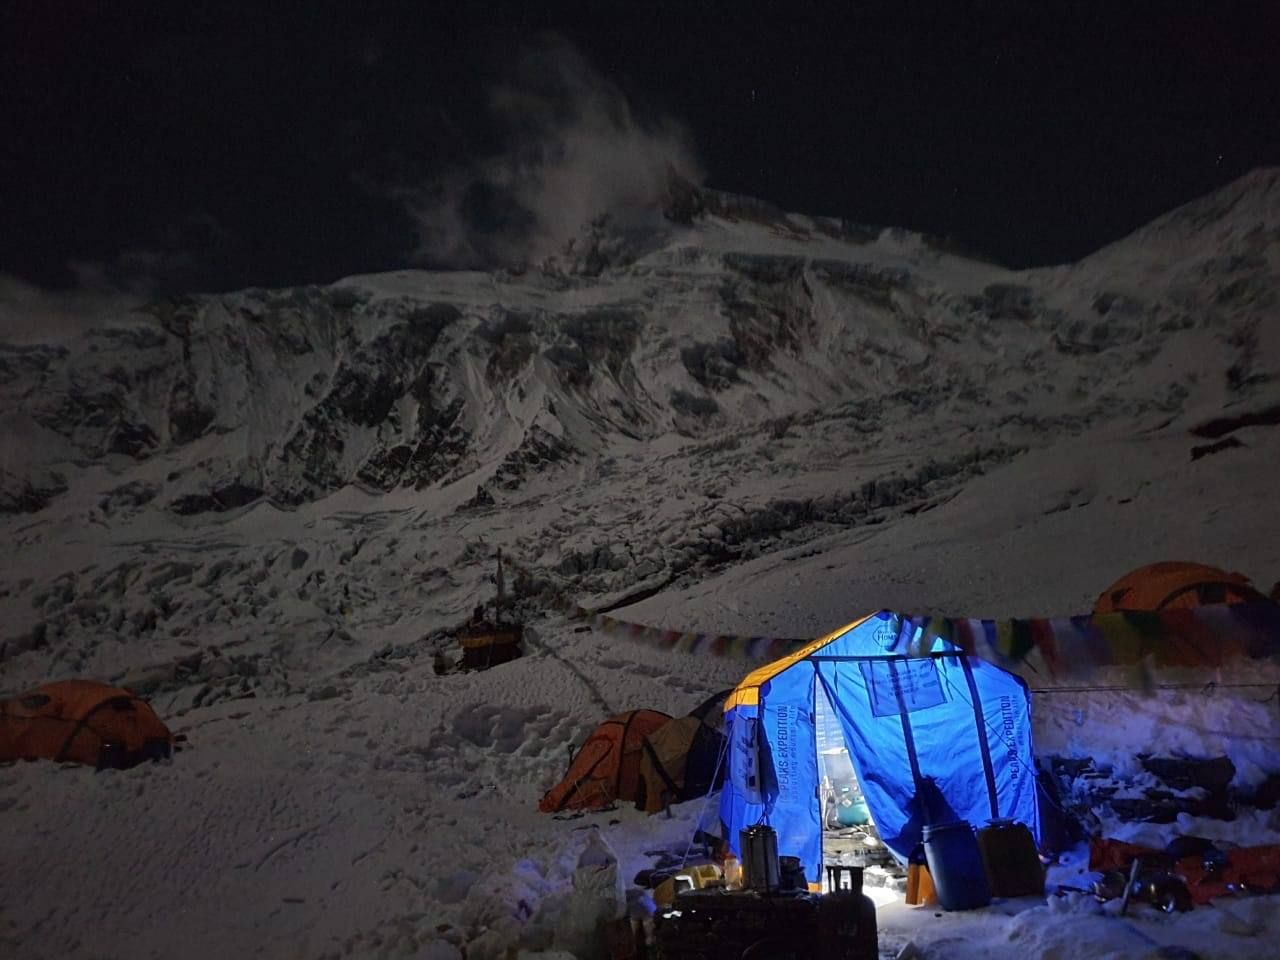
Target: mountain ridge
(366, 382)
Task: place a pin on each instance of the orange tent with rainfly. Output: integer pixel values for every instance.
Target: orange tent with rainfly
(606, 767)
(1176, 586)
(82, 721)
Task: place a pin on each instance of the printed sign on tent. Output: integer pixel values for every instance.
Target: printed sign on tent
(902, 685)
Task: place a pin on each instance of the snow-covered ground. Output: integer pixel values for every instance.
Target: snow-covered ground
(265, 510)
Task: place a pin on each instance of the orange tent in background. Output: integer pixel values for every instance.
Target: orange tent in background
(1176, 585)
(82, 721)
(607, 765)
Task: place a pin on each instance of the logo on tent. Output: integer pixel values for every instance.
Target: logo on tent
(885, 636)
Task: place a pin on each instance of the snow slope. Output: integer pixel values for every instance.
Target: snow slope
(266, 510)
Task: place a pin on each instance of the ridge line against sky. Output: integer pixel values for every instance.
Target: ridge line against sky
(156, 149)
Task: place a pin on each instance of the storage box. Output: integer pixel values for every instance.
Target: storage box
(920, 886)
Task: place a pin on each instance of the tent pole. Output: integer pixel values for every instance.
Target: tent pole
(907, 735)
(980, 724)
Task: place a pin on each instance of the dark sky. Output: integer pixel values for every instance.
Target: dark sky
(157, 146)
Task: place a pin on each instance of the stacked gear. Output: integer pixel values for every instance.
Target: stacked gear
(770, 925)
(1189, 871)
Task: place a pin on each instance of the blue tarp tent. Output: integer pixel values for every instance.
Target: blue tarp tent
(934, 736)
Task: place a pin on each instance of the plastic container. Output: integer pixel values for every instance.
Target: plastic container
(1010, 858)
(920, 890)
(759, 848)
(955, 865)
(733, 873)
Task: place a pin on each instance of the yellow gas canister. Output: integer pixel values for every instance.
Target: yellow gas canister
(664, 894)
(703, 875)
(698, 876)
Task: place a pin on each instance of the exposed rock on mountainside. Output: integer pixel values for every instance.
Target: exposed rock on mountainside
(294, 394)
(633, 395)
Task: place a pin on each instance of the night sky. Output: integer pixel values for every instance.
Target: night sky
(156, 148)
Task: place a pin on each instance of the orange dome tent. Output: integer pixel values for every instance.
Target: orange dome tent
(607, 765)
(1174, 586)
(82, 721)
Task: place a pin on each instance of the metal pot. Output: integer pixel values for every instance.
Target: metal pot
(759, 847)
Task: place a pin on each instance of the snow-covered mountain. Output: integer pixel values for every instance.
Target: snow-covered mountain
(748, 350)
(249, 505)
(419, 380)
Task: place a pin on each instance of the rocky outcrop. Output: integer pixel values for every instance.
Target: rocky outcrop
(27, 495)
(411, 380)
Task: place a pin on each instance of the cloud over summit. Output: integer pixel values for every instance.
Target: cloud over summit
(571, 148)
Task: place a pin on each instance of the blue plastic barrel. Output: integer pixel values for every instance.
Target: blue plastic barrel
(955, 866)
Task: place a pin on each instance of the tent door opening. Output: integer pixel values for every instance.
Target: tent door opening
(849, 834)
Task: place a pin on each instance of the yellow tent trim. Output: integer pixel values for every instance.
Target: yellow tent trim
(747, 693)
